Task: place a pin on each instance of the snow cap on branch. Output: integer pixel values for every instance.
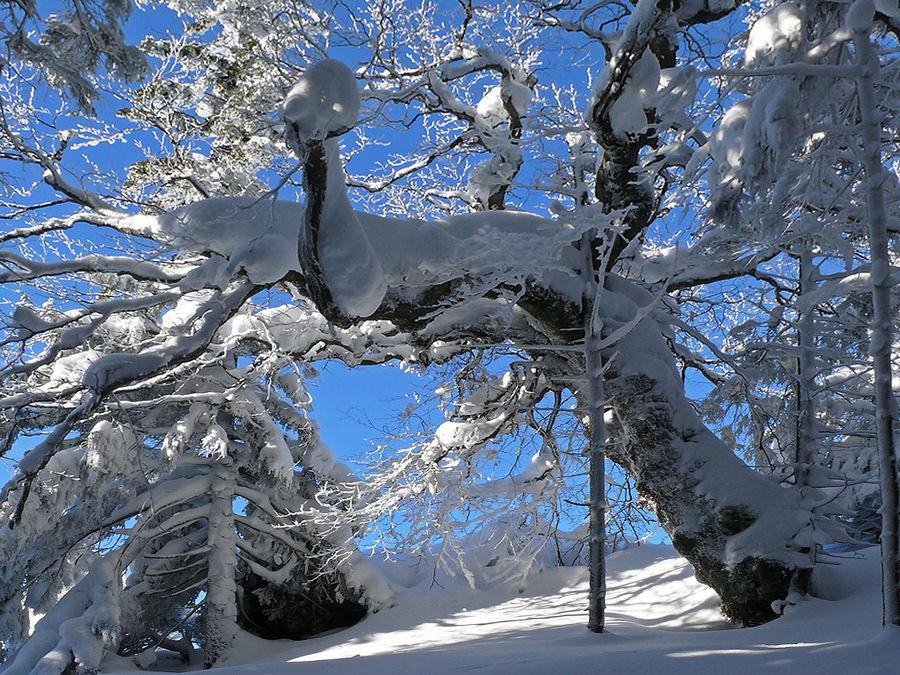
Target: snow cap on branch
(324, 100)
(775, 36)
(859, 16)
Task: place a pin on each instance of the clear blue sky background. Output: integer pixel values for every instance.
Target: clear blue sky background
(356, 407)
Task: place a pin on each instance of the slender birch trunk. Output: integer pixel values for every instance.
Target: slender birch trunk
(885, 403)
(597, 441)
(806, 413)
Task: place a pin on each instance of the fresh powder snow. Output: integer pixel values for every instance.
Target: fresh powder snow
(659, 620)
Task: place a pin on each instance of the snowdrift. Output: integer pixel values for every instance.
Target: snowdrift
(660, 620)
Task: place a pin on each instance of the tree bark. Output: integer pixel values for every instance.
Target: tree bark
(806, 412)
(593, 360)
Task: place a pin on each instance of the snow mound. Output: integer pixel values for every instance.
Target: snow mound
(351, 266)
(324, 100)
(417, 253)
(774, 36)
(224, 224)
(492, 108)
(362, 253)
(626, 114)
(253, 234)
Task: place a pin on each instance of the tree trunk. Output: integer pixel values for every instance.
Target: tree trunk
(221, 600)
(597, 441)
(734, 525)
(806, 412)
(885, 404)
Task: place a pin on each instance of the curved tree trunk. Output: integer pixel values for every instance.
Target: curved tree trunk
(747, 537)
(736, 526)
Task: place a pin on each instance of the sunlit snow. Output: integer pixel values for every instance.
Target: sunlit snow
(659, 620)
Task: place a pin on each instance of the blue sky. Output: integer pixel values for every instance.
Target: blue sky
(356, 407)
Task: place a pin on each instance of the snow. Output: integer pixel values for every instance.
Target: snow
(259, 237)
(184, 312)
(265, 259)
(224, 224)
(78, 626)
(417, 253)
(274, 453)
(644, 75)
(320, 459)
(626, 114)
(774, 36)
(463, 434)
(770, 128)
(662, 264)
(725, 147)
(256, 235)
(324, 100)
(491, 107)
(536, 470)
(487, 177)
(215, 442)
(28, 322)
(659, 620)
(351, 267)
(70, 370)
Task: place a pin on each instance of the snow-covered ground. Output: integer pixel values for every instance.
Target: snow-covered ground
(660, 620)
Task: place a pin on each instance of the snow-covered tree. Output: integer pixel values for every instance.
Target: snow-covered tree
(165, 301)
(68, 42)
(860, 21)
(185, 494)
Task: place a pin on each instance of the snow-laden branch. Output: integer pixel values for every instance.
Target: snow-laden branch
(20, 268)
(112, 371)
